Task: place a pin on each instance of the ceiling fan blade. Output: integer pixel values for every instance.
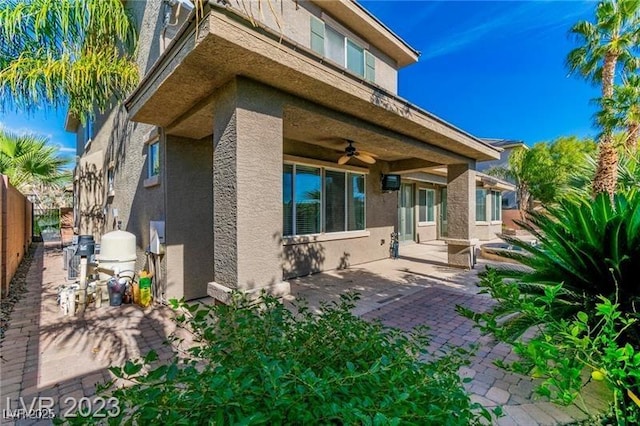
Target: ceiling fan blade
(370, 154)
(343, 160)
(365, 158)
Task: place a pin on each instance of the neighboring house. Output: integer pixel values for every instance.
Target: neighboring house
(232, 141)
(509, 199)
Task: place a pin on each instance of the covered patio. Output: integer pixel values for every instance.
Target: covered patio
(235, 107)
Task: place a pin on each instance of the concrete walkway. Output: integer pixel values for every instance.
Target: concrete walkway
(47, 355)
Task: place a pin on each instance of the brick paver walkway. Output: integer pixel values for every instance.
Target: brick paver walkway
(490, 385)
(45, 354)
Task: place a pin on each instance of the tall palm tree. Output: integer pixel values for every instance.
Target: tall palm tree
(627, 106)
(30, 162)
(608, 44)
(59, 53)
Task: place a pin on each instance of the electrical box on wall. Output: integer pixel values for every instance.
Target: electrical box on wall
(156, 236)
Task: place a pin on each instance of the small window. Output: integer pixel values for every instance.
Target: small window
(426, 205)
(110, 187)
(481, 205)
(355, 58)
(153, 160)
(344, 51)
(88, 131)
(334, 45)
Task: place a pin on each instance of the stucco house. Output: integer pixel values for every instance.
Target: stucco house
(509, 199)
(258, 152)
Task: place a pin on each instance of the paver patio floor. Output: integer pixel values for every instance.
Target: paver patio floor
(45, 354)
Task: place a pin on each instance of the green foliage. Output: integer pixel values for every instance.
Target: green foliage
(29, 160)
(544, 169)
(562, 348)
(58, 53)
(614, 32)
(592, 246)
(259, 363)
(628, 181)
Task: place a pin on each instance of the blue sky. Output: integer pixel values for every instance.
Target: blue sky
(494, 69)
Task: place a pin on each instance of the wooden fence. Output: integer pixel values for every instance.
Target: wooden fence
(16, 224)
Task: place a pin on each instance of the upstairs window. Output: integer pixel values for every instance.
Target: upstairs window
(333, 44)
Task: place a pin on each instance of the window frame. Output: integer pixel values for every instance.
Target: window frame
(433, 206)
(485, 191)
(323, 201)
(151, 146)
(496, 206)
(368, 66)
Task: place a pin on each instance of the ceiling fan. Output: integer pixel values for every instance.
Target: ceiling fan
(350, 151)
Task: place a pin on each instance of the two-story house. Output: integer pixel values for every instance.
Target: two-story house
(262, 144)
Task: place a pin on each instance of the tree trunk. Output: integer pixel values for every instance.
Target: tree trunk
(606, 176)
(524, 200)
(633, 135)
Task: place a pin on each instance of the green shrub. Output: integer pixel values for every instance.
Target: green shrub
(592, 247)
(258, 363)
(562, 349)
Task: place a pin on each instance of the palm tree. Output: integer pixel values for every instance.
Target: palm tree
(30, 162)
(59, 53)
(627, 107)
(609, 43)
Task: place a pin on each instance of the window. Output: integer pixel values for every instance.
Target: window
(88, 131)
(481, 205)
(496, 205)
(335, 205)
(316, 200)
(110, 178)
(426, 205)
(355, 201)
(153, 160)
(334, 45)
(307, 196)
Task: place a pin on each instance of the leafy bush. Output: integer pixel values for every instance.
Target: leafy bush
(592, 247)
(563, 348)
(259, 363)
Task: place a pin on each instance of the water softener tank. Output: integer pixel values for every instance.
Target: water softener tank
(118, 251)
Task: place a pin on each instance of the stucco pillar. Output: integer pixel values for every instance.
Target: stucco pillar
(461, 214)
(247, 190)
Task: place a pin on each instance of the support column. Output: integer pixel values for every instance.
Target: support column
(247, 190)
(461, 214)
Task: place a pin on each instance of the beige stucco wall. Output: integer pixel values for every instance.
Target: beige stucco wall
(488, 231)
(189, 216)
(293, 20)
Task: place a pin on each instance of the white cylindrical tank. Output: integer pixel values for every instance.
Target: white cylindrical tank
(118, 251)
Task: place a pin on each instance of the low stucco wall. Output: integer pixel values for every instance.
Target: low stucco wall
(508, 217)
(426, 233)
(488, 231)
(16, 221)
